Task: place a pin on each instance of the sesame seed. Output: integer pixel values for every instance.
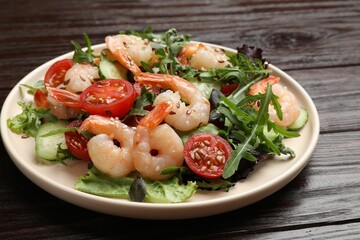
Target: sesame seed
(192, 155)
(214, 168)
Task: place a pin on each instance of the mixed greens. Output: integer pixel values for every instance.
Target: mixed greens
(250, 132)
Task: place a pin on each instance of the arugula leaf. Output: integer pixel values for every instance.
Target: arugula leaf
(243, 69)
(167, 45)
(32, 89)
(61, 130)
(249, 128)
(29, 120)
(79, 55)
(146, 98)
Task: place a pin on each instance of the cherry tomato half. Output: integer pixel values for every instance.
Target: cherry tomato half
(110, 97)
(228, 88)
(77, 143)
(40, 99)
(56, 73)
(206, 154)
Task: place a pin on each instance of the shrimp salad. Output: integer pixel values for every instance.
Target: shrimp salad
(158, 117)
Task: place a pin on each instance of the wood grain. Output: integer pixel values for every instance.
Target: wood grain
(315, 41)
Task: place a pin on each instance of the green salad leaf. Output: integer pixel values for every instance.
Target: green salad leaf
(81, 56)
(146, 98)
(249, 126)
(32, 89)
(29, 120)
(167, 45)
(166, 191)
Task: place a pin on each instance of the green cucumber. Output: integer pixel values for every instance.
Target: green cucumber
(46, 147)
(271, 135)
(110, 68)
(107, 55)
(300, 121)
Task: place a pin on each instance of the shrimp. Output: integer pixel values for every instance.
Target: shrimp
(201, 57)
(79, 77)
(156, 147)
(130, 51)
(105, 155)
(183, 117)
(289, 104)
(63, 104)
(61, 111)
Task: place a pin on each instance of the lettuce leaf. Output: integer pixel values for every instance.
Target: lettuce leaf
(167, 191)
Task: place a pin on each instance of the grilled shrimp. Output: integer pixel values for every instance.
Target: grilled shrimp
(156, 147)
(105, 155)
(200, 56)
(183, 117)
(130, 51)
(79, 77)
(289, 105)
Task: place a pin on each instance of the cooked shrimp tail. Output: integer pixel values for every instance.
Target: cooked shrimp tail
(260, 87)
(200, 56)
(186, 116)
(130, 51)
(80, 76)
(64, 97)
(156, 147)
(105, 155)
(156, 116)
(289, 105)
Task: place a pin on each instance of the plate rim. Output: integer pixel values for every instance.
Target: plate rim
(164, 210)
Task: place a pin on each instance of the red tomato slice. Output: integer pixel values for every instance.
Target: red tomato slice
(77, 143)
(56, 73)
(110, 97)
(206, 154)
(40, 99)
(228, 88)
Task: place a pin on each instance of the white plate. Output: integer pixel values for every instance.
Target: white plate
(59, 180)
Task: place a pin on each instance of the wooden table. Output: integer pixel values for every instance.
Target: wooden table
(317, 42)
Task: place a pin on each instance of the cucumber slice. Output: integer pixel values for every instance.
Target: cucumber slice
(112, 70)
(107, 55)
(271, 135)
(46, 147)
(300, 121)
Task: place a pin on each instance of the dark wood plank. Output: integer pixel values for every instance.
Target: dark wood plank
(325, 193)
(341, 231)
(294, 34)
(315, 41)
(335, 92)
